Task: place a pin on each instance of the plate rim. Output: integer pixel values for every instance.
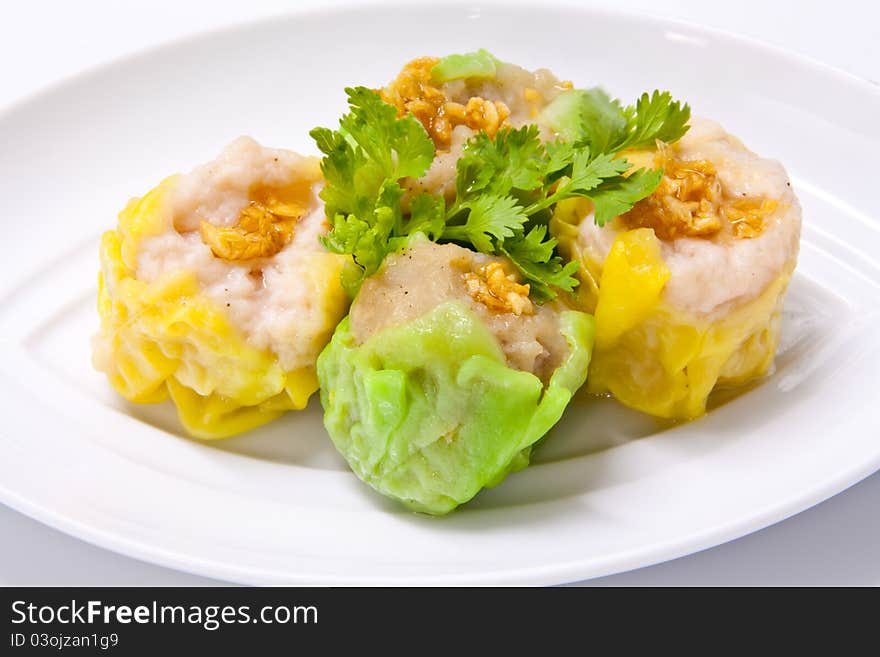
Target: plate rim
(345, 6)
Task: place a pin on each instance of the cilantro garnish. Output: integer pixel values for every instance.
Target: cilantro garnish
(607, 127)
(362, 165)
(506, 186)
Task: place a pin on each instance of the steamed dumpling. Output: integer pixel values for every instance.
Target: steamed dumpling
(687, 288)
(215, 291)
(445, 374)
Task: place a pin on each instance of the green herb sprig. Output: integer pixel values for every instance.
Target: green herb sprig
(506, 186)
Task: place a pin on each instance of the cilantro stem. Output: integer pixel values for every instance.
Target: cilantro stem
(545, 202)
(455, 209)
(456, 233)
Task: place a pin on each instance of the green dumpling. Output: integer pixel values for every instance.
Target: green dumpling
(431, 394)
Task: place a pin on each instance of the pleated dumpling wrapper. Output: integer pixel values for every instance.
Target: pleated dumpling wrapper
(687, 287)
(445, 374)
(216, 291)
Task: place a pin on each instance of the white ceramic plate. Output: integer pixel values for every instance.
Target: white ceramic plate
(610, 491)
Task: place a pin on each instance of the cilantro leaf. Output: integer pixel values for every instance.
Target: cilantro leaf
(588, 173)
(603, 121)
(362, 165)
(619, 194)
(366, 236)
(513, 160)
(339, 166)
(585, 174)
(560, 155)
(655, 117)
(488, 217)
(427, 215)
(590, 117)
(401, 147)
(534, 254)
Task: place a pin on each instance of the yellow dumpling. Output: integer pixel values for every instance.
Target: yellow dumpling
(228, 321)
(682, 306)
(663, 361)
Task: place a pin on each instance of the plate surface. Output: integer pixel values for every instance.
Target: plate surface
(609, 491)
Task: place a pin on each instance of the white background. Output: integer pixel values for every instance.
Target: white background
(837, 542)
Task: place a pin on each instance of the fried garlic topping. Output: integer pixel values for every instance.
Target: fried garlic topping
(262, 230)
(495, 288)
(686, 203)
(689, 202)
(746, 216)
(414, 92)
